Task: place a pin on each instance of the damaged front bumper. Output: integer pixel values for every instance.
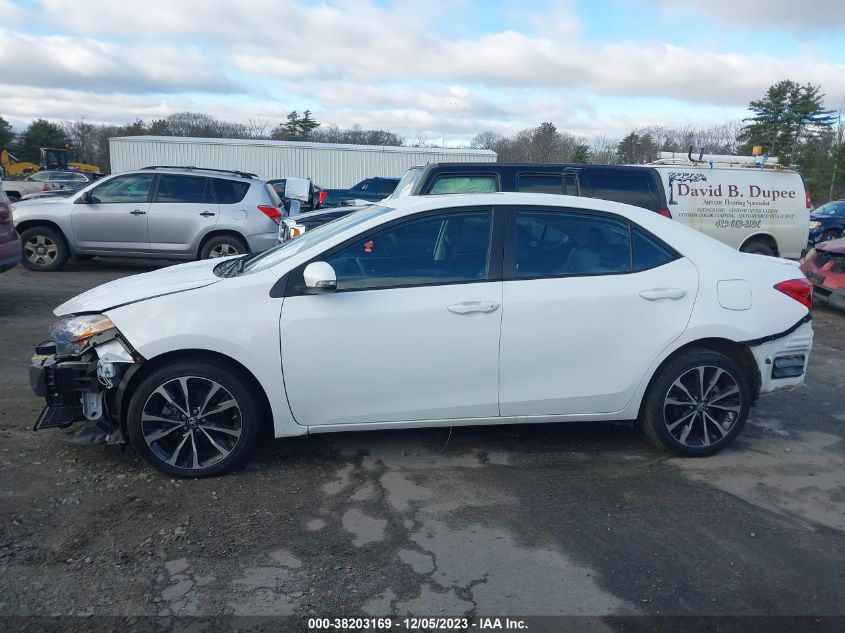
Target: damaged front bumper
(86, 388)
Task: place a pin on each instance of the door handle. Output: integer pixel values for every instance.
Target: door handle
(207, 214)
(663, 293)
(138, 212)
(468, 307)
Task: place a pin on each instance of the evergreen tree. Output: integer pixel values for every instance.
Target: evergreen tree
(6, 134)
(787, 116)
(40, 133)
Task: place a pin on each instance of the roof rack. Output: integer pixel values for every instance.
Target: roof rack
(242, 174)
(705, 160)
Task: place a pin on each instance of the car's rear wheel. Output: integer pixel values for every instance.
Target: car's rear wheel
(223, 246)
(193, 419)
(44, 249)
(697, 403)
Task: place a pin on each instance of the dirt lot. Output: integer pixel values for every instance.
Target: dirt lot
(555, 519)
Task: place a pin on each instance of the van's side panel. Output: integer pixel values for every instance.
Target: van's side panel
(735, 204)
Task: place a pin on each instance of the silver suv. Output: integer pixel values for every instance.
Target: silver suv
(155, 212)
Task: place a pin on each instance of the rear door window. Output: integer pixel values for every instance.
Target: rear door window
(547, 183)
(229, 191)
(465, 183)
(551, 243)
(649, 253)
(181, 189)
(633, 189)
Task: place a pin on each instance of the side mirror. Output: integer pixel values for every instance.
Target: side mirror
(85, 198)
(320, 277)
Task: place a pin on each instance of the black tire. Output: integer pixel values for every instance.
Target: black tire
(208, 443)
(44, 249)
(759, 247)
(223, 246)
(659, 416)
(830, 234)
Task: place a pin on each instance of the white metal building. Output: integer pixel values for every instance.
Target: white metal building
(327, 164)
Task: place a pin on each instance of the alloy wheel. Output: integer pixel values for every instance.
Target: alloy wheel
(191, 422)
(41, 250)
(223, 250)
(702, 406)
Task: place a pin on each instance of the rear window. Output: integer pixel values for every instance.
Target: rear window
(229, 191)
(385, 188)
(464, 184)
(181, 189)
(634, 189)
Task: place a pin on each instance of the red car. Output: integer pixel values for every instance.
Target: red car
(10, 242)
(824, 266)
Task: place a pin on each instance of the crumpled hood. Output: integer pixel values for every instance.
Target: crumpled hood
(833, 246)
(143, 286)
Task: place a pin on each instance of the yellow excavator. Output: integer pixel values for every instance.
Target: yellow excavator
(51, 158)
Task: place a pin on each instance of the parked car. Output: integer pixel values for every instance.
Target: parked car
(56, 179)
(55, 193)
(17, 189)
(10, 243)
(156, 212)
(315, 198)
(369, 189)
(824, 266)
(639, 186)
(827, 222)
(435, 311)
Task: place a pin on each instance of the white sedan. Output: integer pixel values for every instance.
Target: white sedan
(432, 311)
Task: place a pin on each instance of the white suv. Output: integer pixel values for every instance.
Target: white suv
(156, 212)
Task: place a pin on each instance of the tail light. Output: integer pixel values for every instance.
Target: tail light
(274, 213)
(5, 210)
(799, 289)
(665, 213)
(323, 195)
(807, 198)
(45, 187)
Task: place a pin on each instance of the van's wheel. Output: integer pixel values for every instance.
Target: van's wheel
(696, 404)
(193, 419)
(44, 249)
(759, 247)
(223, 246)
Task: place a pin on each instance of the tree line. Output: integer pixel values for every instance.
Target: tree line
(789, 121)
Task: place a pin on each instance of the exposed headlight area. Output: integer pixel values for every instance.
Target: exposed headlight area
(815, 224)
(73, 335)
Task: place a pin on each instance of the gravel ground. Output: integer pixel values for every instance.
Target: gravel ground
(577, 520)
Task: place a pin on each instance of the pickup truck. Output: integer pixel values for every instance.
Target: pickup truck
(368, 190)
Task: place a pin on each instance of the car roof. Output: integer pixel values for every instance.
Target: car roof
(196, 171)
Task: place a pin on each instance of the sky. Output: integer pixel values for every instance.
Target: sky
(436, 70)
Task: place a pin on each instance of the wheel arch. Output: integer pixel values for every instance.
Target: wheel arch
(219, 233)
(764, 237)
(23, 225)
(738, 352)
(134, 378)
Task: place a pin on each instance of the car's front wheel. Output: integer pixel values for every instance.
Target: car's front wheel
(194, 418)
(44, 249)
(697, 403)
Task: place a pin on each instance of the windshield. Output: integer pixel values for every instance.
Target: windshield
(280, 253)
(406, 185)
(831, 208)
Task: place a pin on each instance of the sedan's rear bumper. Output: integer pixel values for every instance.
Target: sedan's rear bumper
(782, 360)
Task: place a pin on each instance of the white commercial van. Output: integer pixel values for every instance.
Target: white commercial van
(756, 208)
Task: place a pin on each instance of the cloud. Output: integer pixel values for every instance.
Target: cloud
(389, 65)
(788, 15)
